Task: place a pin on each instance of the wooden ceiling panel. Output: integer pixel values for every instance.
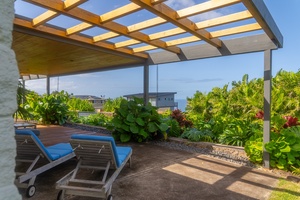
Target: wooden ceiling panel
(49, 57)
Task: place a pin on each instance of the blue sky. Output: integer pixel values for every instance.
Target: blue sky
(186, 78)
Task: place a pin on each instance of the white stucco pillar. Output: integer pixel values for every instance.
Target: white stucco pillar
(8, 88)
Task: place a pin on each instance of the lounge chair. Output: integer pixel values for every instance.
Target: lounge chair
(36, 158)
(94, 153)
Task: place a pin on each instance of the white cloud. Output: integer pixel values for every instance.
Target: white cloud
(179, 4)
(206, 16)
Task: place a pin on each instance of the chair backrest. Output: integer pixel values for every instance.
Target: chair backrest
(29, 145)
(95, 150)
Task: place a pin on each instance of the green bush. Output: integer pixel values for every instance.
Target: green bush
(111, 104)
(195, 135)
(48, 109)
(98, 119)
(254, 148)
(137, 122)
(238, 132)
(76, 104)
(174, 128)
(284, 149)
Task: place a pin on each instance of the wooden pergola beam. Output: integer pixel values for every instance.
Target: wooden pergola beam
(70, 4)
(205, 7)
(171, 15)
(85, 16)
(119, 12)
(204, 24)
(44, 17)
(105, 36)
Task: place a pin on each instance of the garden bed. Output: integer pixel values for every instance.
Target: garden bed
(229, 153)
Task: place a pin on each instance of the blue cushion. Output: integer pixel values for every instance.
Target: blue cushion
(120, 155)
(53, 152)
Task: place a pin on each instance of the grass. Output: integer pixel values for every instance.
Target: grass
(286, 190)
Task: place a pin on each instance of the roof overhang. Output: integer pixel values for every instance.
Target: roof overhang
(50, 50)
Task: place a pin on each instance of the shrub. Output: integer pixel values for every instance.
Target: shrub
(180, 117)
(195, 135)
(284, 149)
(98, 119)
(254, 148)
(48, 109)
(137, 122)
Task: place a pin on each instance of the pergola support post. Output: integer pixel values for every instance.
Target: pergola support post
(267, 104)
(48, 85)
(146, 84)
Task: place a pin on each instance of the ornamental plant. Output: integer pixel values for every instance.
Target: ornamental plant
(284, 149)
(134, 121)
(180, 117)
(48, 109)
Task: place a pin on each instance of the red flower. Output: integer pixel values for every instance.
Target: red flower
(291, 121)
(260, 115)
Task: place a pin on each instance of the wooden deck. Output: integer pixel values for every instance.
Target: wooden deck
(54, 134)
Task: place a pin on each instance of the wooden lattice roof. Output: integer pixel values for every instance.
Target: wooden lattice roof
(76, 36)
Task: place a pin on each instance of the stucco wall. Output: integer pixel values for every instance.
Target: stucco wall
(8, 87)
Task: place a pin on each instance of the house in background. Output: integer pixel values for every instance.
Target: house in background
(162, 100)
(97, 102)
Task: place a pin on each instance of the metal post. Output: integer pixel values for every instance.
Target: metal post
(48, 85)
(146, 84)
(267, 103)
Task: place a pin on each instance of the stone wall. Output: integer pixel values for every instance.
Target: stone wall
(8, 86)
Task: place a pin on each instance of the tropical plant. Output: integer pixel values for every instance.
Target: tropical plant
(195, 135)
(254, 148)
(174, 129)
(48, 109)
(111, 104)
(98, 119)
(238, 132)
(180, 117)
(21, 112)
(284, 149)
(77, 104)
(137, 122)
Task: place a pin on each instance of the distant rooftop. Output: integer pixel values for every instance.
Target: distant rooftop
(151, 94)
(89, 97)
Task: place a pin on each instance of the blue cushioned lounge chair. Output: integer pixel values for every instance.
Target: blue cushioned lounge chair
(95, 153)
(37, 158)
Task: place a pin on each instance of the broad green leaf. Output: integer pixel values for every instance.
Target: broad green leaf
(125, 127)
(130, 118)
(134, 128)
(139, 121)
(152, 127)
(285, 149)
(163, 127)
(143, 133)
(296, 147)
(125, 137)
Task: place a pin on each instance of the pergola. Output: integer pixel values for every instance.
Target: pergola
(79, 36)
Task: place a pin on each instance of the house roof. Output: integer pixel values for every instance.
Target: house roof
(89, 97)
(160, 33)
(151, 94)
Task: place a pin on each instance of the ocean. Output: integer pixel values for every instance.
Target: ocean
(181, 104)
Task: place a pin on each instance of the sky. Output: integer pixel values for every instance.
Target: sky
(186, 78)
